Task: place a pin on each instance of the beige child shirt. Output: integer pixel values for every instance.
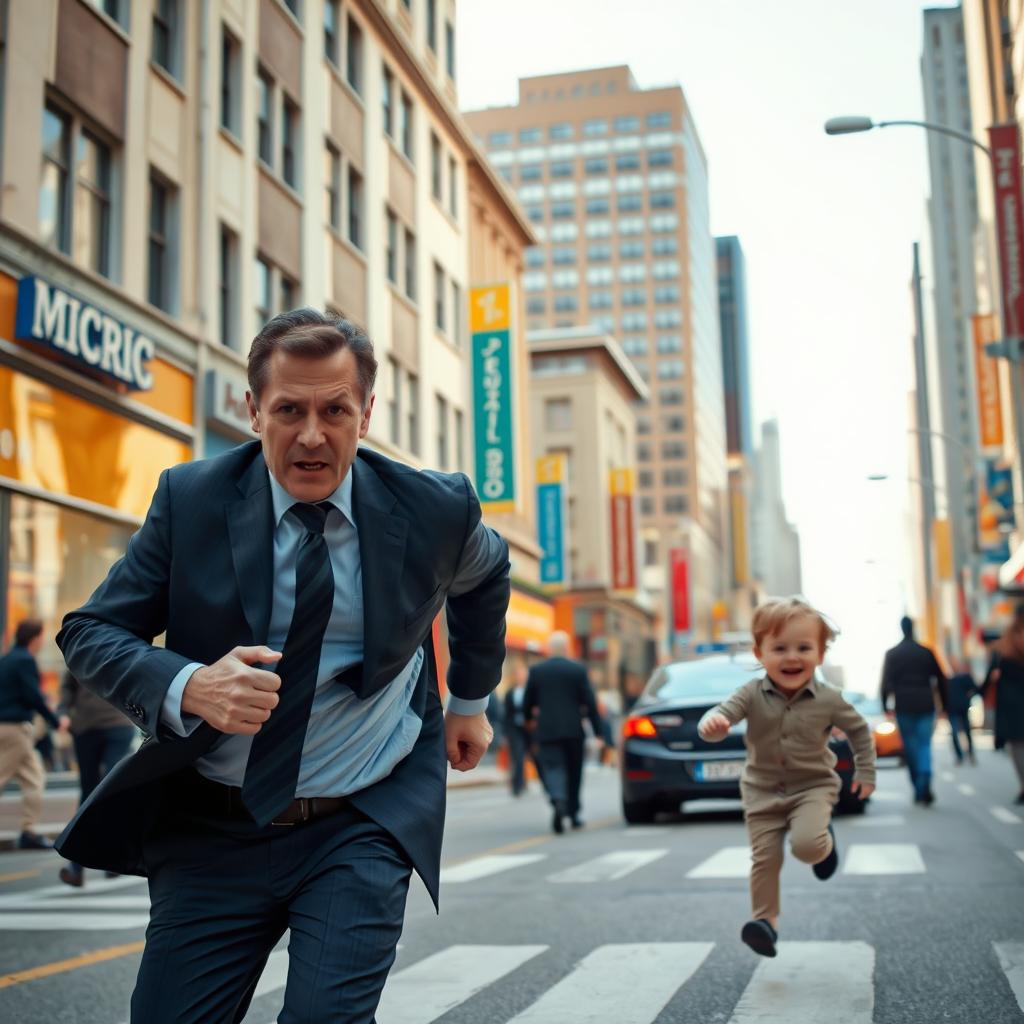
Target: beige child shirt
(787, 737)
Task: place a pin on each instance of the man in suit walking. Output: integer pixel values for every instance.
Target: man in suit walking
(294, 771)
(910, 677)
(558, 694)
(20, 701)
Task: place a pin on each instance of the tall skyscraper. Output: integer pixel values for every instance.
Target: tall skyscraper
(614, 180)
(776, 544)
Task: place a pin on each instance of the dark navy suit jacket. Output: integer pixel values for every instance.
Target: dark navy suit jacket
(200, 570)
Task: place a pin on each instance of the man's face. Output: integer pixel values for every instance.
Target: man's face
(35, 645)
(791, 655)
(310, 419)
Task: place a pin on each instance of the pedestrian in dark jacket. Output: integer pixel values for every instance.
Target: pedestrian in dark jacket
(1006, 676)
(102, 736)
(911, 676)
(962, 690)
(514, 723)
(559, 695)
(20, 700)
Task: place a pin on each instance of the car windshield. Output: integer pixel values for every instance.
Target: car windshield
(865, 705)
(714, 678)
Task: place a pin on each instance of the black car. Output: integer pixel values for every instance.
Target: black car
(663, 761)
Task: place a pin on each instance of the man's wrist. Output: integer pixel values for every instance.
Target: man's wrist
(462, 706)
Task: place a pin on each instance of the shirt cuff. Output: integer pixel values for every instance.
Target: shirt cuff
(170, 711)
(459, 706)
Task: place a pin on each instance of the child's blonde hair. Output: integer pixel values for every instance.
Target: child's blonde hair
(778, 612)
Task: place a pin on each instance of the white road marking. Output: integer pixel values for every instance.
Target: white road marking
(879, 821)
(41, 921)
(729, 862)
(947, 776)
(886, 797)
(608, 867)
(481, 867)
(1020, 853)
(93, 887)
(967, 789)
(794, 987)
(628, 984)
(87, 903)
(431, 987)
(1011, 959)
(883, 859)
(1007, 817)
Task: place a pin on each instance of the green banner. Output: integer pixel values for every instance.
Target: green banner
(492, 419)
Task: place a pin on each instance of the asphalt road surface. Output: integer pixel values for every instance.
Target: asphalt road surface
(924, 922)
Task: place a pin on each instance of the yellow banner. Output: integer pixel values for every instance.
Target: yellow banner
(529, 621)
(990, 407)
(740, 561)
(620, 482)
(489, 308)
(943, 549)
(551, 469)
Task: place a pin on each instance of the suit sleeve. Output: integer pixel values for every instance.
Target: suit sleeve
(477, 602)
(886, 685)
(31, 694)
(108, 643)
(942, 683)
(530, 699)
(589, 701)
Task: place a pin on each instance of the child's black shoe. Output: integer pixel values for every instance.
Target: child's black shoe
(760, 936)
(827, 868)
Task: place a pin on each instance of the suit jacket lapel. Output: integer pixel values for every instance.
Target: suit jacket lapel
(381, 553)
(251, 530)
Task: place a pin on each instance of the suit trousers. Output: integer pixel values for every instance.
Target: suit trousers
(223, 894)
(769, 815)
(562, 764)
(19, 759)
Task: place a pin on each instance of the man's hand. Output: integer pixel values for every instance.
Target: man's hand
(862, 789)
(231, 694)
(714, 727)
(466, 739)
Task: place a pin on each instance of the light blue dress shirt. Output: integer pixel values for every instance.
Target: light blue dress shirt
(350, 743)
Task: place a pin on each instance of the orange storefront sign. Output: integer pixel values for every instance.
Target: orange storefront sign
(990, 409)
(529, 622)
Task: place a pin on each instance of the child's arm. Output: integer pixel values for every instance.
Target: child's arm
(715, 724)
(858, 732)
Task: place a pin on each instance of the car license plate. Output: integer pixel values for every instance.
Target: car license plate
(712, 771)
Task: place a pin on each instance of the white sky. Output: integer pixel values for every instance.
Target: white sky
(826, 224)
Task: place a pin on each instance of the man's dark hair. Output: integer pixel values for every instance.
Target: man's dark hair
(311, 334)
(26, 631)
(907, 625)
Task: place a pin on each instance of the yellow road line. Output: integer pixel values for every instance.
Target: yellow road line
(17, 876)
(60, 966)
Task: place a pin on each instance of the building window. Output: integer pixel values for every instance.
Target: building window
(391, 260)
(598, 126)
(355, 207)
(635, 346)
(671, 396)
(562, 169)
(630, 204)
(456, 315)
(664, 246)
(442, 432)
(288, 290)
(634, 297)
(331, 31)
(666, 294)
(631, 250)
(293, 6)
(264, 116)
(332, 194)
(387, 99)
(566, 304)
(601, 300)
(557, 414)
(498, 139)
(675, 477)
(660, 158)
(54, 222)
(432, 24)
(230, 83)
(263, 293)
(449, 49)
(563, 211)
(117, 10)
(92, 244)
(406, 125)
(675, 504)
(167, 36)
(530, 135)
(453, 187)
(161, 268)
(627, 162)
(228, 287)
(531, 172)
(597, 207)
(659, 119)
(673, 450)
(668, 318)
(673, 424)
(535, 257)
(410, 265)
(460, 438)
(670, 343)
(627, 124)
(671, 369)
(289, 141)
(395, 404)
(599, 253)
(435, 167)
(562, 257)
(663, 200)
(413, 415)
(535, 305)
(439, 317)
(595, 166)
(354, 55)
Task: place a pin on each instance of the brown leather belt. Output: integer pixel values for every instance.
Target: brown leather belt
(306, 808)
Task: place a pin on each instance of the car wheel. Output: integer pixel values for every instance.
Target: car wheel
(638, 813)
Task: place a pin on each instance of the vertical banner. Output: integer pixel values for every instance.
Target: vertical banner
(552, 485)
(943, 549)
(490, 323)
(990, 408)
(1004, 141)
(995, 511)
(680, 590)
(620, 484)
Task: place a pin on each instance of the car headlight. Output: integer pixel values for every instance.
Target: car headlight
(885, 728)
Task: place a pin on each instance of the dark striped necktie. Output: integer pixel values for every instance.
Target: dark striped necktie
(272, 771)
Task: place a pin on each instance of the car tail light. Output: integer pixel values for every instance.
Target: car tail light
(638, 775)
(639, 725)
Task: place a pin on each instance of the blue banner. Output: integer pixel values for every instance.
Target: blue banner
(550, 533)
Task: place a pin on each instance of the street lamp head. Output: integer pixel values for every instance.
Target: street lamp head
(878, 476)
(848, 125)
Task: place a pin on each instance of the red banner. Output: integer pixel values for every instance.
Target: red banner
(680, 591)
(1004, 140)
(623, 550)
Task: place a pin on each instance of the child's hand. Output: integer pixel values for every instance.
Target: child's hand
(862, 789)
(714, 727)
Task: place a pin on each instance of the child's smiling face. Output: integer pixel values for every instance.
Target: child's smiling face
(791, 655)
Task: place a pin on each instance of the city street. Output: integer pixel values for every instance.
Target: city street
(923, 923)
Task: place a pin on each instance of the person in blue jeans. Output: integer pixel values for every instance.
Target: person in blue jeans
(962, 690)
(911, 678)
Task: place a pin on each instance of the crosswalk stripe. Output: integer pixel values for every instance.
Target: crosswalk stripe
(886, 797)
(1007, 817)
(947, 776)
(807, 976)
(628, 983)
(79, 903)
(1020, 853)
(484, 866)
(41, 921)
(1011, 959)
(967, 789)
(274, 975)
(729, 862)
(608, 867)
(879, 821)
(96, 887)
(883, 859)
(431, 987)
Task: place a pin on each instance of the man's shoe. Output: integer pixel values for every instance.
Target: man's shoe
(1020, 798)
(556, 820)
(827, 868)
(33, 841)
(928, 798)
(760, 936)
(577, 821)
(74, 876)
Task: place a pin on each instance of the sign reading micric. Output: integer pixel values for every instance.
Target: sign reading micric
(1004, 141)
(620, 483)
(82, 331)
(490, 321)
(552, 483)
